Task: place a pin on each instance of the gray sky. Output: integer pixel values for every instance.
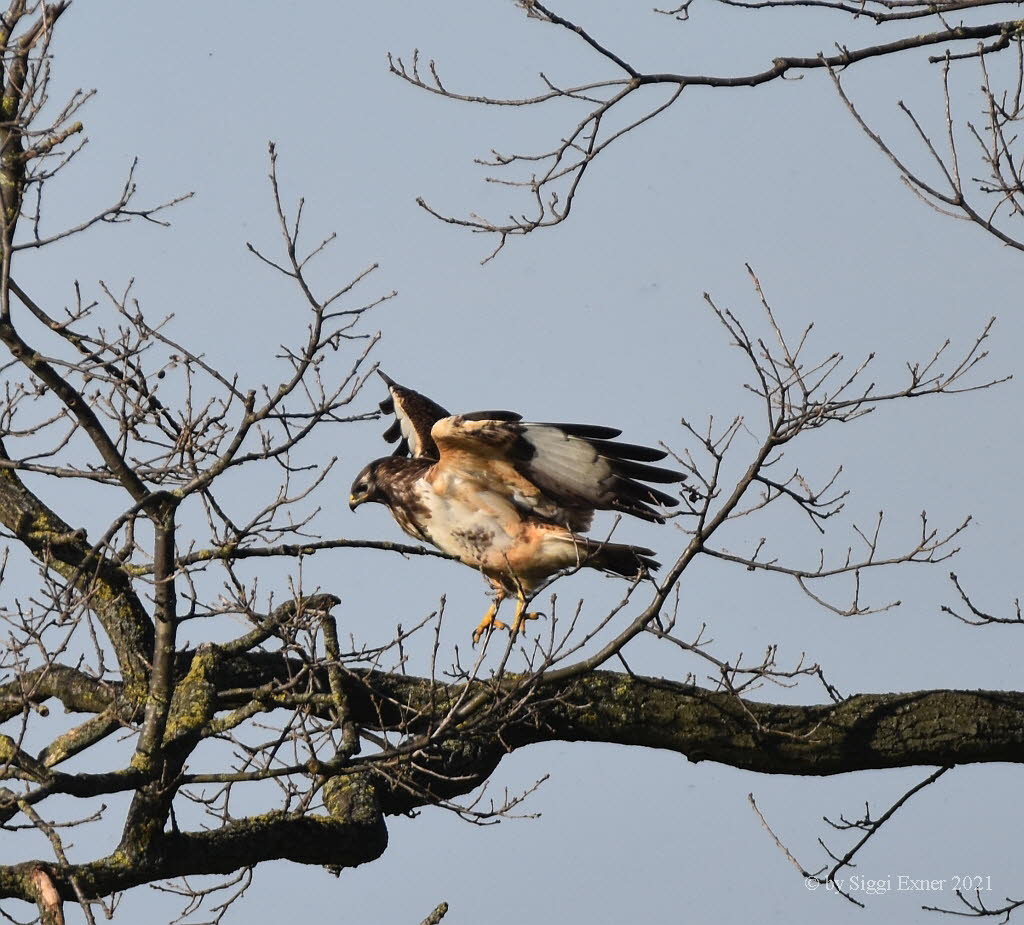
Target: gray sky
(601, 320)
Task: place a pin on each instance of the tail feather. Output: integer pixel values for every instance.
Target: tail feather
(623, 559)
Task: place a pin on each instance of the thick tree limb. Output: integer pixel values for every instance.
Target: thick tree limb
(352, 833)
(938, 727)
(869, 731)
(77, 691)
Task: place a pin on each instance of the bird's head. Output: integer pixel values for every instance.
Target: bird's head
(366, 486)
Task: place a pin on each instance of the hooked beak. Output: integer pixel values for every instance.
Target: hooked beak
(354, 501)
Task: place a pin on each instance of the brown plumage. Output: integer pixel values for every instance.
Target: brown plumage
(512, 498)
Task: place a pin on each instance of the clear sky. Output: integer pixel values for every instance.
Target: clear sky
(598, 320)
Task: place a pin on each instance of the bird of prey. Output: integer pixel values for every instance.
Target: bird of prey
(510, 498)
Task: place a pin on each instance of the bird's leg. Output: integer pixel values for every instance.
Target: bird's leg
(521, 613)
(488, 622)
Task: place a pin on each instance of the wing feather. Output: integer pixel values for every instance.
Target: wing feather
(628, 451)
(587, 431)
(414, 415)
(491, 416)
(635, 470)
(572, 469)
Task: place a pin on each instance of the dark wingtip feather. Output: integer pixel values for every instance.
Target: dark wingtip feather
(587, 431)
(628, 451)
(652, 565)
(633, 470)
(645, 494)
(393, 432)
(641, 510)
(390, 382)
(628, 489)
(491, 416)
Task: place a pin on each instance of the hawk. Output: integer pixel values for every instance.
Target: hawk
(511, 498)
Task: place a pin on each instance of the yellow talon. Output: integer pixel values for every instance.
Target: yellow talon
(522, 615)
(518, 625)
(488, 623)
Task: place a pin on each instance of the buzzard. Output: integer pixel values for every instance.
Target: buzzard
(511, 498)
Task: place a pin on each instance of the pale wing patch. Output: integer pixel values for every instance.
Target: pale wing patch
(575, 467)
(567, 466)
(565, 461)
(408, 430)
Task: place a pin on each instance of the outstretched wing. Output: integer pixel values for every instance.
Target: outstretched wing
(560, 472)
(415, 414)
